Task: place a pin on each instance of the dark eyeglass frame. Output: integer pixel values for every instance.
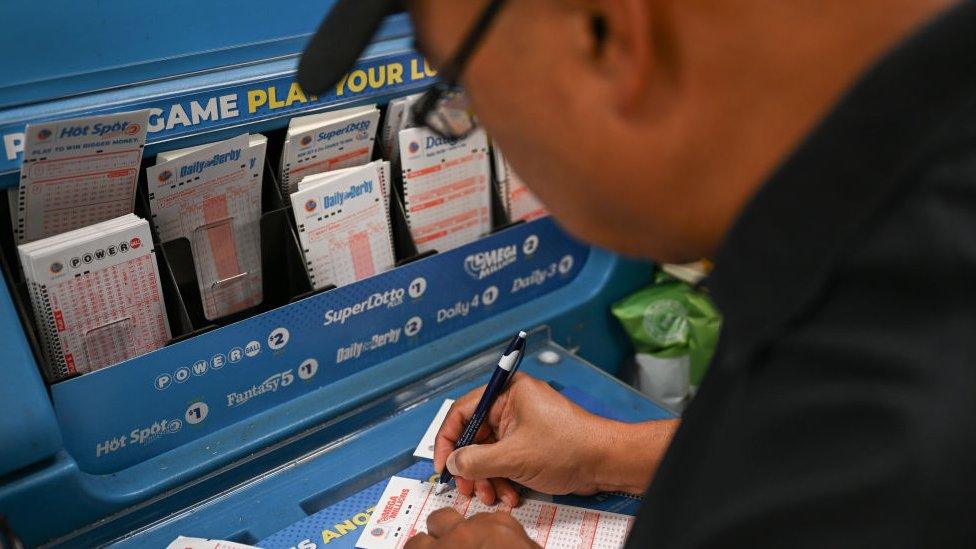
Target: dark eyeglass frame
(427, 106)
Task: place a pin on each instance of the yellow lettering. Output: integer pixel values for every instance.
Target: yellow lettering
(428, 70)
(295, 93)
(377, 77)
(340, 87)
(256, 98)
(273, 101)
(415, 73)
(394, 73)
(329, 535)
(357, 81)
(344, 527)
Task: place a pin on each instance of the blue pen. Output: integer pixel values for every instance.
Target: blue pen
(507, 366)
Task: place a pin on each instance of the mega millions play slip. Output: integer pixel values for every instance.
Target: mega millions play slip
(406, 503)
(328, 141)
(78, 172)
(96, 295)
(446, 188)
(211, 195)
(520, 203)
(344, 226)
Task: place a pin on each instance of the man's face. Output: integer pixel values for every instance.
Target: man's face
(535, 87)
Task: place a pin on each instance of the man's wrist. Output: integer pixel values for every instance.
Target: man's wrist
(631, 453)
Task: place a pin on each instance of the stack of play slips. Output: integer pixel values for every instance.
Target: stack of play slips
(328, 141)
(520, 203)
(344, 225)
(211, 195)
(446, 188)
(397, 118)
(78, 172)
(96, 295)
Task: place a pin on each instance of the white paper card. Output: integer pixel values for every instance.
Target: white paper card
(446, 191)
(328, 141)
(344, 227)
(426, 447)
(184, 542)
(520, 203)
(212, 197)
(405, 505)
(78, 172)
(96, 295)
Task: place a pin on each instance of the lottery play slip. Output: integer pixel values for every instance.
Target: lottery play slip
(211, 195)
(397, 118)
(96, 295)
(446, 188)
(78, 172)
(328, 141)
(343, 224)
(406, 503)
(520, 203)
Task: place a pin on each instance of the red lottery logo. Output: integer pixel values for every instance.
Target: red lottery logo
(44, 134)
(164, 176)
(306, 140)
(310, 206)
(135, 243)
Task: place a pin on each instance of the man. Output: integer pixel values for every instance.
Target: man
(824, 154)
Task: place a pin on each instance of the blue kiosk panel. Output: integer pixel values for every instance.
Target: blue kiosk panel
(240, 431)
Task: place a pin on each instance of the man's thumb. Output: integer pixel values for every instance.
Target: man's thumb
(480, 461)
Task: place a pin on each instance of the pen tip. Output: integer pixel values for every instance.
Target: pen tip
(523, 335)
(441, 488)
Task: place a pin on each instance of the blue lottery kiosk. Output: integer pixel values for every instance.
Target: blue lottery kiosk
(154, 447)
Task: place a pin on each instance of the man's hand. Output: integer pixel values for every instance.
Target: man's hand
(538, 438)
(447, 528)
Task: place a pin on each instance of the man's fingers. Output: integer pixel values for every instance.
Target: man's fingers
(506, 492)
(442, 521)
(465, 487)
(420, 541)
(482, 461)
(484, 491)
(454, 423)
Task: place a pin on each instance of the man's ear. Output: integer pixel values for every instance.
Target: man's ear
(623, 34)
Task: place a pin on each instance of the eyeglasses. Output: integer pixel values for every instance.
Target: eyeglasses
(444, 108)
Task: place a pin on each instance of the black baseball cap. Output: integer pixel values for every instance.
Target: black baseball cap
(340, 40)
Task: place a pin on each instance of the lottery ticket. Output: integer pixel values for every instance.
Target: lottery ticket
(78, 172)
(328, 141)
(406, 503)
(397, 118)
(344, 226)
(520, 203)
(384, 178)
(96, 296)
(211, 195)
(425, 449)
(446, 189)
(184, 542)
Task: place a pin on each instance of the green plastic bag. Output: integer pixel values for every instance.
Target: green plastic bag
(671, 319)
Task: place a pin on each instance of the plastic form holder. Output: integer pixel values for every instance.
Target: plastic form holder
(109, 343)
(220, 250)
